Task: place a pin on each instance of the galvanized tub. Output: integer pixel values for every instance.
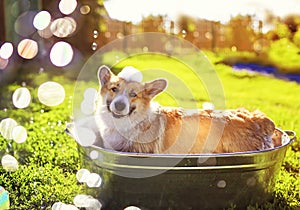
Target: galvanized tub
(204, 181)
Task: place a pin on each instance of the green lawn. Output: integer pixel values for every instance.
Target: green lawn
(48, 160)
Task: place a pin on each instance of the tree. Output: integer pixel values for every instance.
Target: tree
(296, 38)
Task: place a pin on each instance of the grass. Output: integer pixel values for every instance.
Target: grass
(48, 160)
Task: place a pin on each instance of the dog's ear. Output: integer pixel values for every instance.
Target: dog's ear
(155, 87)
(104, 74)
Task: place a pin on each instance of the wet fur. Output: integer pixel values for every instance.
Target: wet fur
(151, 128)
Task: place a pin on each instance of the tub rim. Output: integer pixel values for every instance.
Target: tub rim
(288, 134)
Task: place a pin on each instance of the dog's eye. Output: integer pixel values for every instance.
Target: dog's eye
(132, 94)
(115, 89)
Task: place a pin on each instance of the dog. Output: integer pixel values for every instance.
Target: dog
(128, 120)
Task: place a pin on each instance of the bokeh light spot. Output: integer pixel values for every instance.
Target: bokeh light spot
(87, 107)
(94, 204)
(94, 155)
(63, 27)
(3, 63)
(94, 46)
(81, 200)
(24, 24)
(6, 50)
(6, 127)
(88, 104)
(21, 98)
(85, 9)
(132, 208)
(251, 182)
(93, 180)
(221, 184)
(208, 106)
(85, 136)
(19, 134)
(15, 9)
(42, 20)
(51, 93)
(61, 54)
(86, 201)
(82, 175)
(28, 48)
(57, 206)
(63, 206)
(9, 163)
(90, 94)
(67, 6)
(46, 33)
(95, 34)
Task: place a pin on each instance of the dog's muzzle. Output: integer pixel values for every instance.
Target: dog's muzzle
(119, 109)
(115, 115)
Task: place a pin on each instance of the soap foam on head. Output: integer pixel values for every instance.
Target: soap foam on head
(131, 74)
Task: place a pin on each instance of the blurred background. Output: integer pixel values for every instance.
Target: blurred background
(58, 36)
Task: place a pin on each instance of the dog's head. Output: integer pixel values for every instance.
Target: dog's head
(125, 97)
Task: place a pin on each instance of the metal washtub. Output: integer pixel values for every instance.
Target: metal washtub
(204, 181)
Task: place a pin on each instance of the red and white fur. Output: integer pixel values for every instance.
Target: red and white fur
(128, 120)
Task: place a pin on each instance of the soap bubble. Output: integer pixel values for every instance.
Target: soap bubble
(61, 54)
(42, 20)
(82, 175)
(51, 93)
(28, 48)
(67, 6)
(94, 180)
(6, 127)
(19, 134)
(6, 50)
(85, 136)
(9, 163)
(21, 98)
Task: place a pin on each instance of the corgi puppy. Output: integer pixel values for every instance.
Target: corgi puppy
(128, 120)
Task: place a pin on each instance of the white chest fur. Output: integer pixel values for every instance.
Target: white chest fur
(121, 134)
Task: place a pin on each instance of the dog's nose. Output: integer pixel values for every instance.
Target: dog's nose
(120, 106)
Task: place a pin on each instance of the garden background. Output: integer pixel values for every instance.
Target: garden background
(257, 61)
